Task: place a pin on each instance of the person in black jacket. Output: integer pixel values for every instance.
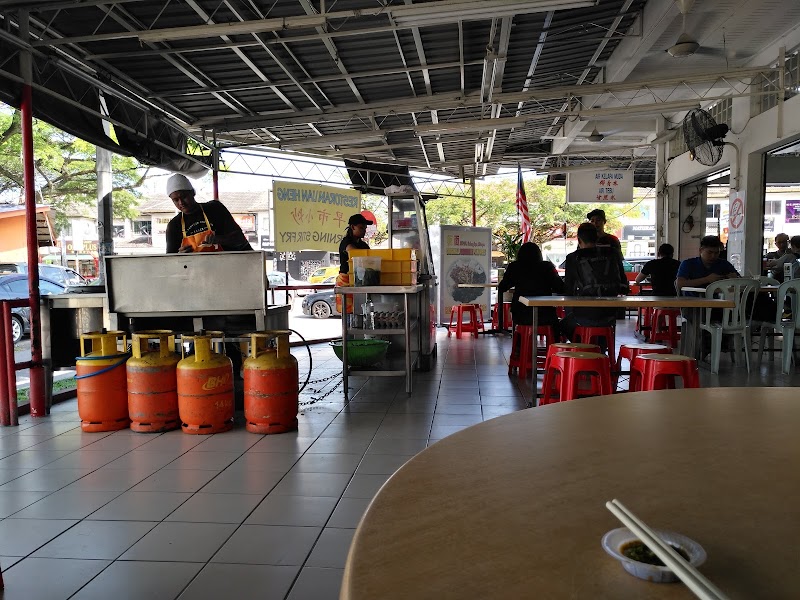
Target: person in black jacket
(531, 275)
(592, 270)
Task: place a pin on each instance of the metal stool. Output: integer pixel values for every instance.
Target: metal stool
(521, 347)
(658, 371)
(474, 324)
(567, 366)
(629, 352)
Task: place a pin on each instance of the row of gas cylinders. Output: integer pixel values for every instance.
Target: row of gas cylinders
(152, 388)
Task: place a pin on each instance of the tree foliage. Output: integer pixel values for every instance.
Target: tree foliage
(495, 201)
(65, 170)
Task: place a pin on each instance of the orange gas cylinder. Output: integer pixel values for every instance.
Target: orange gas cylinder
(153, 383)
(270, 384)
(205, 389)
(100, 376)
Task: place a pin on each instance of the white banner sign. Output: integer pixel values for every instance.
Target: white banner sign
(735, 241)
(600, 187)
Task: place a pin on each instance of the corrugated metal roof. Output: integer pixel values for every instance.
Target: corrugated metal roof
(366, 73)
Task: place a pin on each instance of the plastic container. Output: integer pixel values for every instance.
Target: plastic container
(614, 540)
(366, 270)
(362, 353)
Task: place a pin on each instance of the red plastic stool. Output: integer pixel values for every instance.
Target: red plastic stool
(591, 335)
(567, 366)
(658, 371)
(629, 352)
(521, 348)
(474, 324)
(644, 322)
(552, 390)
(664, 326)
(506, 315)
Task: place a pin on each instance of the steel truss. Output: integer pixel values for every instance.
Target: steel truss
(265, 164)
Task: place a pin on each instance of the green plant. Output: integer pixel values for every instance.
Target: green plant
(508, 241)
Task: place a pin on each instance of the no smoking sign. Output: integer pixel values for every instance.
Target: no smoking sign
(736, 213)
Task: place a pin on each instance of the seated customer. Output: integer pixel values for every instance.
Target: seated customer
(706, 268)
(592, 271)
(791, 255)
(661, 271)
(530, 275)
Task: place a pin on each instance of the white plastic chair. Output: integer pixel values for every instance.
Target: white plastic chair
(764, 280)
(781, 326)
(735, 321)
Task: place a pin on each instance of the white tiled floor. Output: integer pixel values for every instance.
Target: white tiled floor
(238, 515)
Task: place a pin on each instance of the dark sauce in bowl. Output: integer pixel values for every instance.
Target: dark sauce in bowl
(638, 551)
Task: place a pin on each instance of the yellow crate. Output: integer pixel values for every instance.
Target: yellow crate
(399, 266)
(403, 254)
(383, 253)
(398, 278)
(355, 253)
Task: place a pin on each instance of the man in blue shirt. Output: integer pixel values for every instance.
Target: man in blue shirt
(704, 269)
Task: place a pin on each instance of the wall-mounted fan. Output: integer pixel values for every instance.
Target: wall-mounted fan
(704, 137)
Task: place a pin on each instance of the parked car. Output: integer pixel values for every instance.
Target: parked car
(56, 273)
(320, 305)
(323, 273)
(14, 286)
(277, 278)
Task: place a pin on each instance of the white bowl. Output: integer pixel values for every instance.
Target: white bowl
(615, 539)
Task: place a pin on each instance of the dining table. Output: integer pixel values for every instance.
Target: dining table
(514, 507)
(690, 343)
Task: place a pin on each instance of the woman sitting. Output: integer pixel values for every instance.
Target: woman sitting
(531, 275)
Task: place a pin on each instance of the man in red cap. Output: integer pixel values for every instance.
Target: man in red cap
(597, 217)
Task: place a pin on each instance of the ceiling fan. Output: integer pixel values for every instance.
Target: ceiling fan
(686, 45)
(595, 137)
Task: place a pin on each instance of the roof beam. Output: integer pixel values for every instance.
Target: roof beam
(452, 101)
(438, 11)
(576, 128)
(122, 17)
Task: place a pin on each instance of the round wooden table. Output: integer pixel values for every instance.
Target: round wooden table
(514, 507)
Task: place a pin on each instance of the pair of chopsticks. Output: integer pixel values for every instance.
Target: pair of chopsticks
(693, 578)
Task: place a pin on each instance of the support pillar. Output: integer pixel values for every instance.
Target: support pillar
(215, 171)
(474, 206)
(105, 207)
(37, 391)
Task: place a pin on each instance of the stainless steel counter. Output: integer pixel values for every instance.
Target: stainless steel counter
(379, 289)
(407, 337)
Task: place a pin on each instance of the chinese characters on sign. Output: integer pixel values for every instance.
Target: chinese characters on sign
(311, 217)
(600, 187)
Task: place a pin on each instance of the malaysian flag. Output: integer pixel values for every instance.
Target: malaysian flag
(522, 208)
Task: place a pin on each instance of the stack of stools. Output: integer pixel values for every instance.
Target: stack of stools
(629, 352)
(474, 324)
(658, 372)
(568, 369)
(664, 326)
(506, 314)
(522, 350)
(592, 335)
(551, 383)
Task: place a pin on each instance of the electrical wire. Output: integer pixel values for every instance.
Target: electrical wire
(310, 361)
